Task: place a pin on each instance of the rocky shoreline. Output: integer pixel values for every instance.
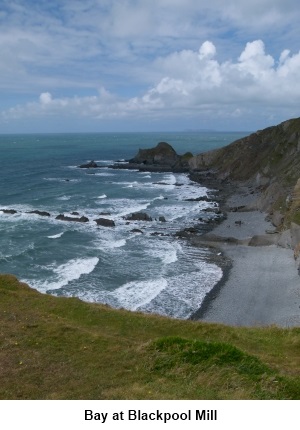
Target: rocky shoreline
(260, 283)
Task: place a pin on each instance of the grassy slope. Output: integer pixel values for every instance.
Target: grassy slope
(59, 348)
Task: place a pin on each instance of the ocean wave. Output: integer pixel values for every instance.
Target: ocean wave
(62, 180)
(104, 174)
(63, 198)
(176, 296)
(136, 294)
(122, 207)
(109, 243)
(165, 251)
(184, 293)
(56, 236)
(65, 273)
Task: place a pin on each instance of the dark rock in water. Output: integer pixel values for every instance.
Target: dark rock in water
(136, 230)
(89, 165)
(162, 219)
(162, 155)
(69, 218)
(138, 216)
(199, 199)
(105, 222)
(9, 211)
(74, 213)
(41, 213)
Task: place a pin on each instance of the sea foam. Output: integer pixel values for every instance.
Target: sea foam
(56, 236)
(65, 273)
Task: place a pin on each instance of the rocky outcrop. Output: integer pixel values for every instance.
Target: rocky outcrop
(9, 211)
(163, 156)
(37, 212)
(138, 216)
(104, 222)
(89, 165)
(62, 217)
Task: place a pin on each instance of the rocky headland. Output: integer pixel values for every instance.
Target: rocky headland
(162, 158)
(257, 183)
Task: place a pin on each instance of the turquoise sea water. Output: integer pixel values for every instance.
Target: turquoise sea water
(109, 265)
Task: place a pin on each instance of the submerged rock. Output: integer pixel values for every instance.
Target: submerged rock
(138, 216)
(91, 164)
(136, 230)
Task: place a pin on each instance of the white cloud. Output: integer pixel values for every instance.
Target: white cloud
(45, 98)
(75, 43)
(194, 82)
(207, 50)
(147, 54)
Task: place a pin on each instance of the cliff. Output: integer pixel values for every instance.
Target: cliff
(269, 161)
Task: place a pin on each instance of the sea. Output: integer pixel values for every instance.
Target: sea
(150, 270)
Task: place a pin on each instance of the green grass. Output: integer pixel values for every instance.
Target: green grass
(63, 348)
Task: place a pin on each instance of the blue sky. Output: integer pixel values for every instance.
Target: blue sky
(148, 65)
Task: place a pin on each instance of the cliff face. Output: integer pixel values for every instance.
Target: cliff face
(269, 160)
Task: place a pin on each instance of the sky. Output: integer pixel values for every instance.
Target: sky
(148, 65)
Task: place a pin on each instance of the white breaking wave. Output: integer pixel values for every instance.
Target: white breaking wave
(104, 174)
(66, 273)
(103, 196)
(136, 294)
(110, 243)
(105, 161)
(165, 251)
(123, 207)
(56, 236)
(63, 198)
(170, 179)
(176, 296)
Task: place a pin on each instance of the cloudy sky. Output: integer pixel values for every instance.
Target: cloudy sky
(148, 65)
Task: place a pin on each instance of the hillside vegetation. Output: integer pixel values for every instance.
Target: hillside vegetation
(63, 348)
(268, 160)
